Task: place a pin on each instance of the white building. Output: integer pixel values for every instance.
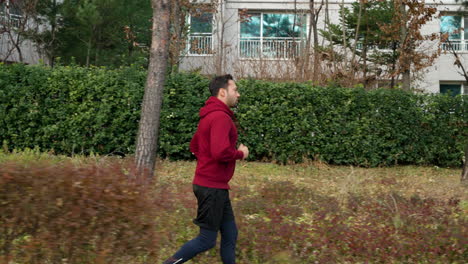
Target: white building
(245, 38)
(255, 38)
(12, 47)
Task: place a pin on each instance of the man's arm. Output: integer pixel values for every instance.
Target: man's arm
(194, 144)
(220, 145)
(244, 149)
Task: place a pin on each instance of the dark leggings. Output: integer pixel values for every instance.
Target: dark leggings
(207, 240)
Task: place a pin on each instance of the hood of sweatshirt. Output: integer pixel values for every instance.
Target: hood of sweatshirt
(214, 104)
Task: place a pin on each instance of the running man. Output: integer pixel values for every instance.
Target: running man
(214, 145)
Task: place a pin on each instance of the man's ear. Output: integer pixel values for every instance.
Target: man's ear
(222, 92)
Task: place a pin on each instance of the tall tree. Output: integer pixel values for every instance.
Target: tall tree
(312, 37)
(410, 17)
(362, 23)
(388, 36)
(104, 32)
(147, 141)
(179, 31)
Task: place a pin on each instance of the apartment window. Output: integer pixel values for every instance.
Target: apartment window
(10, 13)
(454, 26)
(272, 35)
(200, 39)
(451, 89)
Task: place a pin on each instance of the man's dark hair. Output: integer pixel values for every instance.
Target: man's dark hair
(219, 82)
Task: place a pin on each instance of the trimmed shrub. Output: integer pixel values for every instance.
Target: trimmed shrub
(184, 95)
(289, 122)
(70, 109)
(96, 110)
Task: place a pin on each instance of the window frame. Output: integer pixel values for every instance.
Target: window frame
(460, 45)
(6, 16)
(301, 39)
(199, 34)
(462, 86)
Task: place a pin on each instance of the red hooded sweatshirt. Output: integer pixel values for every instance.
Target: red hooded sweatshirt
(214, 145)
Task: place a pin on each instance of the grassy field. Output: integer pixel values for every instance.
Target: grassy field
(306, 213)
(335, 181)
(316, 213)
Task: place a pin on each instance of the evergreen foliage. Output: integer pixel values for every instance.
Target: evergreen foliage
(72, 110)
(94, 32)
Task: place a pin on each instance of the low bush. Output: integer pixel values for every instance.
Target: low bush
(53, 210)
(70, 110)
(61, 212)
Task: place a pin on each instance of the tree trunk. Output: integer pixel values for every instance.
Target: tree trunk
(330, 44)
(364, 54)
(315, 77)
(364, 60)
(130, 41)
(464, 175)
(88, 52)
(96, 51)
(220, 69)
(53, 28)
(17, 44)
(394, 57)
(356, 40)
(175, 50)
(147, 141)
(405, 62)
(406, 80)
(344, 34)
(316, 43)
(327, 18)
(306, 58)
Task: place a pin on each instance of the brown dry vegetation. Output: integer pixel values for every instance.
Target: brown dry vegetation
(304, 213)
(287, 214)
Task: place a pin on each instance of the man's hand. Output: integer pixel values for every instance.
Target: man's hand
(244, 149)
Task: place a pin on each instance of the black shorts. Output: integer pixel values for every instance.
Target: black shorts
(214, 207)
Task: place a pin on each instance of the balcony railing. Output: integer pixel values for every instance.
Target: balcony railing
(200, 44)
(13, 21)
(458, 45)
(270, 48)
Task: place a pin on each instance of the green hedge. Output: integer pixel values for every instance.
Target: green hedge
(96, 110)
(70, 109)
(290, 122)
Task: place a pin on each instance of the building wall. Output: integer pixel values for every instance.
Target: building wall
(428, 80)
(443, 71)
(235, 64)
(10, 54)
(11, 19)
